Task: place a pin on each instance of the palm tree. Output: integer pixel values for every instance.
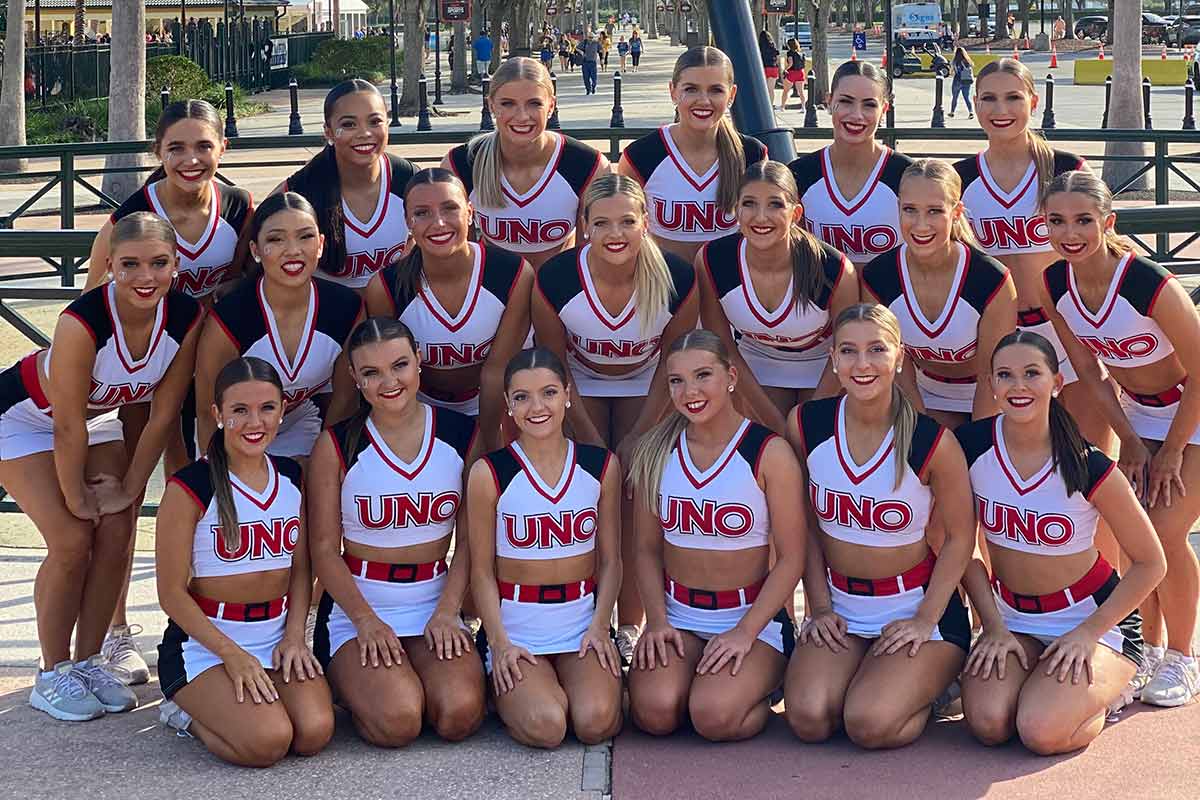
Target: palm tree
(79, 9)
(1125, 109)
(12, 86)
(818, 17)
(126, 96)
(413, 14)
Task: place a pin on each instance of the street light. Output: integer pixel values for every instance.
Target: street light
(395, 123)
(437, 56)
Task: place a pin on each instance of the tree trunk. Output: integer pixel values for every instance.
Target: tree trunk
(963, 23)
(652, 15)
(1000, 19)
(1125, 109)
(458, 61)
(413, 14)
(126, 96)
(819, 19)
(1108, 33)
(1024, 12)
(12, 87)
(1069, 18)
(518, 33)
(79, 9)
(476, 29)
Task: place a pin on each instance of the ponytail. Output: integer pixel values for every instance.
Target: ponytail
(904, 423)
(649, 459)
(355, 425)
(218, 471)
(1043, 159)
(731, 163)
(1068, 448)
(326, 195)
(484, 153)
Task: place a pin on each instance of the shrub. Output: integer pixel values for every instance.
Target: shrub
(311, 76)
(350, 57)
(184, 77)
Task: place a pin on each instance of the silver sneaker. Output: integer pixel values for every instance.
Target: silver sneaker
(125, 660)
(170, 715)
(944, 706)
(627, 637)
(63, 695)
(1151, 658)
(1176, 682)
(114, 695)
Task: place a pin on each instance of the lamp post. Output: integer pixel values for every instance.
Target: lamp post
(395, 122)
(437, 56)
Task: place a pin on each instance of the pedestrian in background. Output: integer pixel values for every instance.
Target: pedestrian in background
(964, 77)
(623, 51)
(590, 63)
(770, 59)
(483, 52)
(635, 47)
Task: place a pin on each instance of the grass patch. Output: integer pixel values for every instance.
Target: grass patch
(87, 120)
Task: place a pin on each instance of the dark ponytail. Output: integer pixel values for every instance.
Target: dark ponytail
(370, 331)
(177, 112)
(1068, 448)
(240, 370)
(275, 203)
(411, 268)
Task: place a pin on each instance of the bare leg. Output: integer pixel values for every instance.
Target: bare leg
(310, 709)
(454, 698)
(535, 710)
(593, 696)
(990, 705)
(787, 399)
(658, 697)
(630, 610)
(728, 708)
(1178, 591)
(133, 421)
(386, 702)
(248, 734)
(815, 687)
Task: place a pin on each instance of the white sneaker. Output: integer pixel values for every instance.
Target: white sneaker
(627, 636)
(1176, 682)
(943, 706)
(1151, 658)
(114, 695)
(62, 694)
(170, 715)
(125, 660)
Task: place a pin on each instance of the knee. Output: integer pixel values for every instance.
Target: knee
(391, 723)
(871, 727)
(992, 727)
(460, 716)
(1042, 734)
(810, 719)
(657, 713)
(265, 743)
(71, 547)
(716, 719)
(542, 726)
(596, 719)
(312, 732)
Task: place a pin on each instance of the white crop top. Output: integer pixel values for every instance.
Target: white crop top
(1122, 332)
(722, 507)
(389, 502)
(269, 521)
(1035, 514)
(861, 504)
(536, 521)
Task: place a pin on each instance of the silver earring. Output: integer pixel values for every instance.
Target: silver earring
(175, 274)
(899, 370)
(220, 425)
(1054, 393)
(568, 404)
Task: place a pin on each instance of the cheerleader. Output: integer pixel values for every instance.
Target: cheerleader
(879, 648)
(386, 486)
(356, 187)
(849, 189)
(1142, 325)
(605, 308)
(690, 170)
(773, 288)
(1061, 632)
(231, 557)
(952, 301)
(524, 181)
(296, 324)
(546, 566)
(463, 352)
(63, 460)
(721, 528)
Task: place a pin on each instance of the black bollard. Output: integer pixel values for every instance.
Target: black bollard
(423, 123)
(165, 97)
(295, 127)
(618, 113)
(552, 123)
(395, 121)
(486, 123)
(1189, 99)
(230, 120)
(810, 107)
(1048, 115)
(1146, 102)
(1107, 100)
(939, 116)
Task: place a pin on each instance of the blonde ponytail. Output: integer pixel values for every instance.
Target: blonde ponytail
(484, 150)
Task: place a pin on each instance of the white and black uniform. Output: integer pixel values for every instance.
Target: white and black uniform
(721, 508)
(542, 217)
(683, 204)
(788, 347)
(389, 502)
(205, 264)
(454, 341)
(1035, 515)
(1123, 333)
(269, 528)
(118, 379)
(950, 338)
(862, 226)
(1011, 223)
(248, 321)
(861, 505)
(370, 244)
(597, 338)
(537, 521)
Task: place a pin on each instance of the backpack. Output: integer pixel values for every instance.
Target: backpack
(964, 74)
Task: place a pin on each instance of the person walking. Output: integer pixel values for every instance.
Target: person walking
(605, 46)
(483, 52)
(591, 63)
(623, 51)
(770, 59)
(635, 47)
(964, 77)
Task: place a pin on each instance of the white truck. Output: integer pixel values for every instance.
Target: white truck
(916, 23)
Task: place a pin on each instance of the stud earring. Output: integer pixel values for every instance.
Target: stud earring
(730, 388)
(220, 425)
(174, 274)
(899, 370)
(568, 404)
(1054, 393)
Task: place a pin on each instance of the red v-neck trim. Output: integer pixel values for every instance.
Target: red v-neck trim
(272, 484)
(386, 455)
(381, 205)
(522, 200)
(290, 369)
(714, 469)
(1022, 486)
(690, 175)
(468, 305)
(751, 294)
(585, 281)
(1004, 198)
(914, 304)
(210, 233)
(864, 194)
(843, 451)
(130, 363)
(1101, 316)
(535, 480)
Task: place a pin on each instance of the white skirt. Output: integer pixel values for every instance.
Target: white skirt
(298, 432)
(1153, 422)
(544, 628)
(866, 615)
(944, 395)
(784, 373)
(1064, 363)
(590, 383)
(24, 430)
(182, 659)
(707, 623)
(470, 406)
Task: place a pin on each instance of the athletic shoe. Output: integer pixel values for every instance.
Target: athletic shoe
(1176, 682)
(170, 715)
(1152, 657)
(951, 115)
(627, 636)
(943, 706)
(310, 626)
(62, 694)
(124, 658)
(971, 115)
(114, 695)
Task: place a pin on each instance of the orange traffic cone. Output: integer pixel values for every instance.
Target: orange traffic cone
(1164, 52)
(987, 48)
(1101, 51)
(1027, 43)
(1053, 57)
(853, 55)
(883, 60)
(1016, 54)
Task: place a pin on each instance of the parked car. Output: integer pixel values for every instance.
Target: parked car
(1092, 27)
(1184, 31)
(800, 31)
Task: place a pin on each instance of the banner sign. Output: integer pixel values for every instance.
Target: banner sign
(454, 11)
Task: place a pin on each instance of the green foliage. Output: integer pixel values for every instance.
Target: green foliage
(87, 120)
(352, 56)
(184, 77)
(310, 76)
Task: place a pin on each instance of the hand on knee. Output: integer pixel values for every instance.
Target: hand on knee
(542, 726)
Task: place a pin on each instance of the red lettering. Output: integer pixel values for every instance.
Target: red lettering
(358, 265)
(1143, 344)
(259, 539)
(406, 510)
(512, 230)
(200, 281)
(448, 355)
(1011, 233)
(621, 348)
(861, 512)
(942, 354)
(545, 531)
(1024, 525)
(115, 395)
(689, 216)
(686, 516)
(858, 239)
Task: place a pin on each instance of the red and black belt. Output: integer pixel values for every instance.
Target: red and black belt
(241, 612)
(1167, 397)
(713, 600)
(1031, 317)
(945, 379)
(1086, 586)
(546, 592)
(394, 573)
(882, 587)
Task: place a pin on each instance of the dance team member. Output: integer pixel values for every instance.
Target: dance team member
(952, 301)
(717, 498)
(231, 558)
(1142, 325)
(605, 308)
(1061, 630)
(62, 458)
(462, 351)
(525, 181)
(690, 169)
(295, 323)
(850, 189)
(887, 632)
(546, 566)
(356, 186)
(386, 488)
(773, 288)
